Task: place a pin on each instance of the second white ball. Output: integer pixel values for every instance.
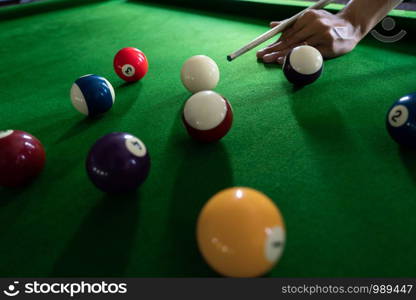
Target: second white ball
(200, 73)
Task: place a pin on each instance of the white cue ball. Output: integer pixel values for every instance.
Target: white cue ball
(200, 73)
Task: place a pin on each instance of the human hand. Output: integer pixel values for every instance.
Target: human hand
(333, 35)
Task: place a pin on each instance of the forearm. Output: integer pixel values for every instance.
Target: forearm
(365, 14)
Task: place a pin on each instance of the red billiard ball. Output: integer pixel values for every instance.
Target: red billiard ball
(130, 64)
(207, 116)
(22, 157)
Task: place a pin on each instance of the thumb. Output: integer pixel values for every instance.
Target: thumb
(274, 23)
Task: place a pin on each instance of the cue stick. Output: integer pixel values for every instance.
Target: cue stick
(275, 30)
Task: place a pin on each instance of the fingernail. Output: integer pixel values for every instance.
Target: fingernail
(280, 60)
(268, 58)
(260, 54)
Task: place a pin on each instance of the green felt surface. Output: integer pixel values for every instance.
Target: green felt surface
(322, 153)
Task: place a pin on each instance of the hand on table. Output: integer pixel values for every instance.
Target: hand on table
(332, 35)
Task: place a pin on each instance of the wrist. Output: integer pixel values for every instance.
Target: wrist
(358, 30)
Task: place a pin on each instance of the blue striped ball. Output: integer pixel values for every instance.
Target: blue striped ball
(92, 95)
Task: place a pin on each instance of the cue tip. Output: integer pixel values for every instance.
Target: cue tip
(229, 58)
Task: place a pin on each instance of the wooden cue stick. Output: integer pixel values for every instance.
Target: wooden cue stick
(275, 30)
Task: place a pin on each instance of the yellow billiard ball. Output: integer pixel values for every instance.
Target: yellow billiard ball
(241, 232)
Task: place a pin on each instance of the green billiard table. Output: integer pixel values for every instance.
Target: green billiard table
(322, 153)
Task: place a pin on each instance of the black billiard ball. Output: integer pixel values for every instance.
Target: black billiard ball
(303, 65)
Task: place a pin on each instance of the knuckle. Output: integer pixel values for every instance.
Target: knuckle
(317, 23)
(327, 34)
(331, 45)
(311, 13)
(322, 24)
(314, 14)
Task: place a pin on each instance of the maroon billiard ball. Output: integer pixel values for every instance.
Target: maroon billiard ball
(207, 116)
(130, 64)
(22, 158)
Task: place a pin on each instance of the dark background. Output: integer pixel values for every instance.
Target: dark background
(407, 5)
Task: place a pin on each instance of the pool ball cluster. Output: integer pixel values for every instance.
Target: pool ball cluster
(93, 95)
(119, 162)
(240, 231)
(207, 115)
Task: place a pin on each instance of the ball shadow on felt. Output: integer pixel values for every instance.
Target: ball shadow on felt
(408, 157)
(318, 117)
(79, 126)
(101, 246)
(204, 170)
(127, 94)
